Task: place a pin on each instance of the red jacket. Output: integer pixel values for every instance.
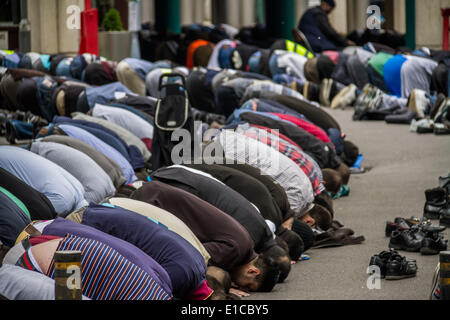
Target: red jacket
(305, 125)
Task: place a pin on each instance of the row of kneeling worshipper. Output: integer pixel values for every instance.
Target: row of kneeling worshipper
(192, 232)
(86, 171)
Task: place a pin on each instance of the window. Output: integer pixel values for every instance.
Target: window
(103, 7)
(6, 11)
(10, 11)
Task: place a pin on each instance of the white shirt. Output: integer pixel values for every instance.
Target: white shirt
(272, 163)
(124, 118)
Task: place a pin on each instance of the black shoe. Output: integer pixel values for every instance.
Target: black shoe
(444, 220)
(10, 133)
(417, 233)
(404, 118)
(436, 203)
(381, 261)
(333, 90)
(444, 182)
(399, 267)
(399, 224)
(3, 117)
(433, 246)
(441, 129)
(311, 91)
(405, 240)
(431, 229)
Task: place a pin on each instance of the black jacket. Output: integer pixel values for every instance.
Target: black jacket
(225, 239)
(38, 204)
(247, 186)
(223, 198)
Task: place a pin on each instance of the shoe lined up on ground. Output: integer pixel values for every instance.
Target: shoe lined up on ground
(437, 120)
(311, 91)
(437, 205)
(401, 224)
(444, 182)
(345, 97)
(368, 105)
(328, 91)
(20, 125)
(416, 235)
(393, 266)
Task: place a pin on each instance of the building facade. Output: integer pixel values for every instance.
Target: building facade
(49, 31)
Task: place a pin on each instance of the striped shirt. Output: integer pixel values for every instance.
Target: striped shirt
(294, 181)
(267, 90)
(291, 150)
(107, 275)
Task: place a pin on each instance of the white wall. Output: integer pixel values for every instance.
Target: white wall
(429, 23)
(338, 17)
(148, 11)
(49, 32)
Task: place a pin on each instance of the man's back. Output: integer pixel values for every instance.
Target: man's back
(163, 217)
(95, 181)
(183, 263)
(63, 190)
(228, 243)
(221, 196)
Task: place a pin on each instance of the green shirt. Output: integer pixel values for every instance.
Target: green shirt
(16, 200)
(377, 61)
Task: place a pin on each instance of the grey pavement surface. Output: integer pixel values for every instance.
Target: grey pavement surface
(403, 165)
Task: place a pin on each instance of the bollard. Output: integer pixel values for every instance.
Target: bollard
(68, 275)
(444, 275)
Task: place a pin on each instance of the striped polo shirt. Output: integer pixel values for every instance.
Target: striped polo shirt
(288, 148)
(107, 275)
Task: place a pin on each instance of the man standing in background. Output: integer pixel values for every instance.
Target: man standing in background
(318, 30)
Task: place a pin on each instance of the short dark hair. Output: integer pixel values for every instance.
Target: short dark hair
(326, 201)
(331, 3)
(281, 254)
(350, 154)
(280, 241)
(333, 180)
(294, 242)
(345, 172)
(269, 270)
(221, 285)
(322, 217)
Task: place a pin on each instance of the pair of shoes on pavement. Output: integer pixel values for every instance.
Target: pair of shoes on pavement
(401, 116)
(419, 102)
(371, 97)
(393, 266)
(437, 204)
(22, 126)
(345, 97)
(429, 126)
(422, 126)
(407, 235)
(369, 101)
(311, 91)
(438, 121)
(328, 90)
